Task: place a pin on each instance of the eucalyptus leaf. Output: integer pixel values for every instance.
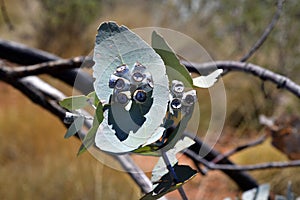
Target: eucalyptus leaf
(93, 98)
(175, 69)
(115, 46)
(160, 168)
(171, 140)
(260, 193)
(89, 139)
(166, 184)
(75, 127)
(207, 81)
(74, 102)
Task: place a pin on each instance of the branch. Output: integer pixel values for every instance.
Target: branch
(269, 165)
(238, 149)
(199, 149)
(24, 55)
(266, 32)
(14, 51)
(38, 91)
(46, 67)
(262, 73)
(30, 89)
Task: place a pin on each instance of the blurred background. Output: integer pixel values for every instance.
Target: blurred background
(36, 162)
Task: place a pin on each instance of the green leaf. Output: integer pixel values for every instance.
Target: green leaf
(149, 150)
(207, 81)
(93, 97)
(175, 69)
(89, 139)
(75, 127)
(115, 46)
(74, 102)
(160, 168)
(166, 184)
(260, 193)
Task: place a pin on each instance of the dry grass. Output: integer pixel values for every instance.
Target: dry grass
(38, 163)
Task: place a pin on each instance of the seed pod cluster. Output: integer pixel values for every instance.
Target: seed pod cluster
(130, 85)
(180, 99)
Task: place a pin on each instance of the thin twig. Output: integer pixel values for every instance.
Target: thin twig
(46, 67)
(268, 165)
(24, 55)
(266, 32)
(173, 174)
(238, 149)
(262, 73)
(242, 179)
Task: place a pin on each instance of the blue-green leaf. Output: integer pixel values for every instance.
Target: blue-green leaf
(74, 102)
(175, 69)
(115, 46)
(75, 127)
(207, 81)
(260, 193)
(93, 98)
(89, 139)
(166, 183)
(160, 168)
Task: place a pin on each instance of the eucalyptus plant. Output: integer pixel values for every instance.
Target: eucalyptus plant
(141, 91)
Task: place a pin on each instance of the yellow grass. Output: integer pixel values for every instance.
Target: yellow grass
(36, 162)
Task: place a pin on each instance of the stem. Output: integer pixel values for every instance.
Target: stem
(173, 174)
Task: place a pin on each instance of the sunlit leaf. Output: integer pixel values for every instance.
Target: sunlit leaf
(116, 45)
(160, 168)
(166, 184)
(74, 102)
(260, 193)
(89, 139)
(171, 140)
(93, 98)
(207, 81)
(175, 69)
(75, 127)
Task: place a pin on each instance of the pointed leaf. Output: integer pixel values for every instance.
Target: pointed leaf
(160, 168)
(75, 127)
(175, 69)
(93, 97)
(74, 102)
(207, 81)
(260, 193)
(89, 139)
(166, 184)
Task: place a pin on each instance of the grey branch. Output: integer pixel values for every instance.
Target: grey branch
(262, 73)
(65, 64)
(266, 32)
(46, 67)
(268, 165)
(43, 95)
(24, 55)
(239, 148)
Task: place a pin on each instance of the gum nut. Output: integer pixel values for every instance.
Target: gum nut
(121, 84)
(138, 66)
(140, 96)
(177, 87)
(189, 98)
(176, 103)
(138, 76)
(112, 81)
(121, 70)
(123, 97)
